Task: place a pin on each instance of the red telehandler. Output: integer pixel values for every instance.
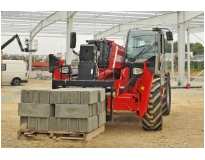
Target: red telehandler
(134, 77)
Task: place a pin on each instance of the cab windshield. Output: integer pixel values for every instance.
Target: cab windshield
(139, 40)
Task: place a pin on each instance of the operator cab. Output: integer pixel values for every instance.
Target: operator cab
(144, 44)
(138, 40)
(149, 46)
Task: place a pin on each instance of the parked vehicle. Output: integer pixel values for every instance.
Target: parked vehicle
(14, 72)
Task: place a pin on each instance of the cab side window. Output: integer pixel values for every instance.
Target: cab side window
(3, 67)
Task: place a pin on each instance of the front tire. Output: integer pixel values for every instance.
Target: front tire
(166, 105)
(152, 120)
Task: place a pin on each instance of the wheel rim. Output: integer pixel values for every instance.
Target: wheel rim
(16, 82)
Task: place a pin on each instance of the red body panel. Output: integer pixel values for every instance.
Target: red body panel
(56, 73)
(141, 92)
(116, 56)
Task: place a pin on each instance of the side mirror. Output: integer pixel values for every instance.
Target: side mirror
(169, 36)
(72, 40)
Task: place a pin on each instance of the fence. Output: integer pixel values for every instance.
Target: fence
(194, 65)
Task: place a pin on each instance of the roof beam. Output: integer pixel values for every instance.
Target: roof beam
(196, 30)
(188, 15)
(166, 19)
(169, 18)
(50, 20)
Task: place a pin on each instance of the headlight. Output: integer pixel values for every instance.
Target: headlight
(137, 71)
(64, 69)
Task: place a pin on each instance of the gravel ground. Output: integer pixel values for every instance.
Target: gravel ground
(183, 128)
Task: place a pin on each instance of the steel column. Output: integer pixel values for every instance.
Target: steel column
(188, 55)
(172, 51)
(30, 56)
(124, 41)
(69, 30)
(181, 48)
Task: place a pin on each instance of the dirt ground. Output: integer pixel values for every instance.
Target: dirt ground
(183, 128)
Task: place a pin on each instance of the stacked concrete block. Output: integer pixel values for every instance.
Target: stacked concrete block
(101, 94)
(74, 124)
(54, 97)
(44, 97)
(66, 109)
(89, 124)
(35, 110)
(35, 115)
(30, 96)
(89, 96)
(101, 118)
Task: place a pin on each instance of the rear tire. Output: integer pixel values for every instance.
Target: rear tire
(166, 105)
(152, 120)
(16, 81)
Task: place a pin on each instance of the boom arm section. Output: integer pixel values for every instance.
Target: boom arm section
(20, 44)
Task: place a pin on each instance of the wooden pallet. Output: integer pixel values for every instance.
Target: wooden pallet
(32, 134)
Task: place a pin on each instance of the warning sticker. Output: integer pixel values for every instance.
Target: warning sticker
(142, 88)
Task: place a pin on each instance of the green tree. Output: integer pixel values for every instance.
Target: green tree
(167, 47)
(5, 57)
(175, 46)
(191, 45)
(14, 57)
(197, 49)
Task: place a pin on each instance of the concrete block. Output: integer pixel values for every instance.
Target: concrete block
(25, 96)
(73, 125)
(65, 97)
(43, 124)
(36, 110)
(75, 97)
(101, 119)
(52, 124)
(23, 120)
(72, 110)
(55, 96)
(94, 109)
(37, 123)
(70, 95)
(32, 123)
(101, 94)
(67, 124)
(34, 96)
(100, 107)
(83, 125)
(103, 105)
(93, 123)
(88, 124)
(62, 124)
(30, 96)
(44, 97)
(89, 96)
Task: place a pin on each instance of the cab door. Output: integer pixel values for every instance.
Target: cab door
(162, 60)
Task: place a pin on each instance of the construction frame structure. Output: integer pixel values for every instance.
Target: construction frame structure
(107, 24)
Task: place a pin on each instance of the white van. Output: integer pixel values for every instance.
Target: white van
(14, 72)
